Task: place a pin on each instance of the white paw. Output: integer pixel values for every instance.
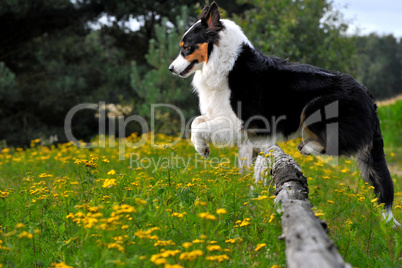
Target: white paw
(203, 151)
(200, 144)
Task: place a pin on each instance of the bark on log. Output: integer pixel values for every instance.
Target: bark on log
(307, 243)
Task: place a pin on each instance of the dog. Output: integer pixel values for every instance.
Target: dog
(240, 90)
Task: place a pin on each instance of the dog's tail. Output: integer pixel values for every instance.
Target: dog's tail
(373, 168)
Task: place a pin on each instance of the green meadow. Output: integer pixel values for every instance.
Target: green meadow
(165, 206)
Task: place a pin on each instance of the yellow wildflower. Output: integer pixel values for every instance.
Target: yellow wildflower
(111, 172)
(219, 258)
(221, 211)
(200, 203)
(109, 183)
(259, 246)
(25, 234)
(192, 255)
(60, 265)
(207, 216)
(167, 265)
(20, 225)
(187, 244)
(214, 248)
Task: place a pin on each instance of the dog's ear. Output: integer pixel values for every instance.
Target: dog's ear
(210, 16)
(204, 12)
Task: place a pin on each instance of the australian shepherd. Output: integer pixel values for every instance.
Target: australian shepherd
(245, 95)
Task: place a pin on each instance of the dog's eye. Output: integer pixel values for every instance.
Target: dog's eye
(187, 48)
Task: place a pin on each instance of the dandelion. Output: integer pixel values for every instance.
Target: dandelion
(25, 234)
(259, 246)
(19, 225)
(5, 150)
(117, 246)
(111, 172)
(187, 244)
(214, 248)
(167, 265)
(200, 203)
(60, 265)
(221, 211)
(191, 256)
(158, 261)
(219, 258)
(178, 215)
(207, 216)
(261, 197)
(245, 222)
(147, 233)
(271, 218)
(374, 200)
(44, 175)
(109, 183)
(162, 243)
(124, 209)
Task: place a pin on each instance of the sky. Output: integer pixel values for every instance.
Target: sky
(381, 16)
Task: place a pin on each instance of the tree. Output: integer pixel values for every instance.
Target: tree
(55, 60)
(308, 31)
(158, 85)
(379, 64)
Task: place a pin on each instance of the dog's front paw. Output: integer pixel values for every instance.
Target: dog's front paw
(200, 144)
(204, 151)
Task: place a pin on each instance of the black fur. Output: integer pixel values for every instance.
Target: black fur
(272, 88)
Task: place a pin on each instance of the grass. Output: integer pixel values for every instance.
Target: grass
(68, 206)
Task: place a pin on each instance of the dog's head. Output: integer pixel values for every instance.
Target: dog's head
(197, 43)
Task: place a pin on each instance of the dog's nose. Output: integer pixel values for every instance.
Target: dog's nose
(171, 68)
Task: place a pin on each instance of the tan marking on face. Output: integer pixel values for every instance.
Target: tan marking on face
(200, 54)
(306, 128)
(181, 44)
(310, 133)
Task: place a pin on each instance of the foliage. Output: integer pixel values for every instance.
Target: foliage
(69, 69)
(158, 86)
(58, 60)
(391, 124)
(379, 64)
(308, 31)
(7, 84)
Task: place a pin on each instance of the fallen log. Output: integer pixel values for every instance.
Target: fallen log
(307, 243)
